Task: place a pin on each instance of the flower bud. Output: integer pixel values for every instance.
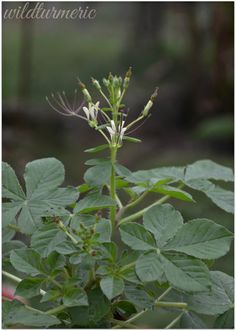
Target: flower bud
(87, 95)
(105, 82)
(127, 78)
(155, 94)
(85, 91)
(96, 84)
(147, 108)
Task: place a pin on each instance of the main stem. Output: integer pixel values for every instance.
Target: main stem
(113, 185)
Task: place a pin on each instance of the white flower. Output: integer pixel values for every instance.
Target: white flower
(91, 111)
(116, 134)
(121, 131)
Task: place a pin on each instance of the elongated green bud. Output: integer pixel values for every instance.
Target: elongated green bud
(148, 106)
(96, 83)
(127, 78)
(155, 94)
(105, 82)
(85, 91)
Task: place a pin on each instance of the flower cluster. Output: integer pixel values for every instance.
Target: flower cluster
(111, 119)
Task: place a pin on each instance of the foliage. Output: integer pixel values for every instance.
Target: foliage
(70, 259)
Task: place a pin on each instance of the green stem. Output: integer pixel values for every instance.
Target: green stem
(105, 97)
(120, 205)
(55, 282)
(164, 294)
(175, 321)
(14, 227)
(55, 310)
(17, 279)
(135, 202)
(63, 228)
(159, 304)
(113, 185)
(127, 266)
(164, 304)
(122, 324)
(141, 212)
(42, 292)
(135, 121)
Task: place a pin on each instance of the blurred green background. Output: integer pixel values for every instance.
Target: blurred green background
(186, 49)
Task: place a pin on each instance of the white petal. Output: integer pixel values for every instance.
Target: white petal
(86, 111)
(111, 131)
(113, 125)
(91, 110)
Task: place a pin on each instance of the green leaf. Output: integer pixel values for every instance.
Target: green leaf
(93, 202)
(112, 286)
(27, 261)
(149, 267)
(97, 149)
(132, 139)
(190, 321)
(122, 171)
(99, 307)
(43, 197)
(46, 239)
(172, 192)
(21, 315)
(130, 275)
(201, 238)
(104, 228)
(9, 212)
(98, 175)
(137, 237)
(29, 287)
(124, 308)
(7, 234)
(222, 198)
(110, 251)
(156, 175)
(9, 246)
(218, 300)
(163, 221)
(75, 297)
(51, 295)
(208, 170)
(84, 188)
(43, 175)
(11, 188)
(94, 162)
(55, 261)
(225, 321)
(65, 248)
(138, 296)
(186, 273)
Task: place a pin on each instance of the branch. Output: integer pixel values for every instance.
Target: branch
(141, 212)
(174, 321)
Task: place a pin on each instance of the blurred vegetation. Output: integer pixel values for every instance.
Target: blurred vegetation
(184, 48)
